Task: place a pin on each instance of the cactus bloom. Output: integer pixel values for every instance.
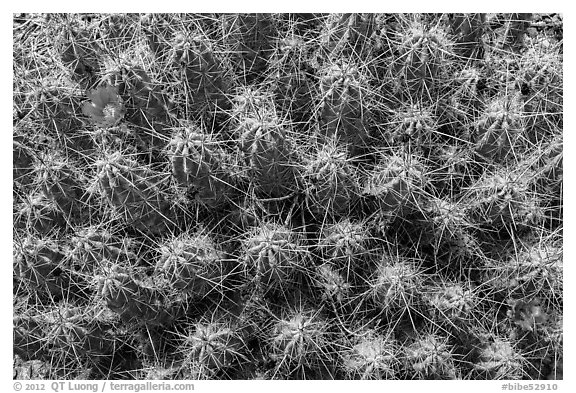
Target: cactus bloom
(105, 107)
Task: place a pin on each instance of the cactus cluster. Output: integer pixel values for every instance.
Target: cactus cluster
(287, 196)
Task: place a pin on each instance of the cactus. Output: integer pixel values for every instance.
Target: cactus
(463, 251)
(342, 115)
(464, 101)
(344, 244)
(157, 28)
(498, 359)
(540, 80)
(457, 170)
(498, 128)
(129, 299)
(292, 80)
(514, 30)
(534, 271)
(269, 157)
(549, 174)
(144, 99)
(192, 264)
(331, 181)
(204, 73)
(92, 244)
(273, 254)
(468, 30)
(394, 183)
(146, 105)
(38, 213)
(505, 198)
(72, 330)
(38, 265)
(250, 39)
(348, 34)
(133, 191)
(452, 302)
(450, 232)
(215, 343)
(334, 287)
(422, 53)
(305, 23)
(413, 123)
(61, 184)
(267, 152)
(395, 285)
(448, 219)
(29, 340)
(196, 164)
(299, 340)
(79, 51)
(372, 356)
(430, 357)
(22, 162)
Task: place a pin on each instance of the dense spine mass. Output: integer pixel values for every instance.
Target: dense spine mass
(288, 196)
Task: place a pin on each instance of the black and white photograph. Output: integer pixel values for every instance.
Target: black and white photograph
(287, 196)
